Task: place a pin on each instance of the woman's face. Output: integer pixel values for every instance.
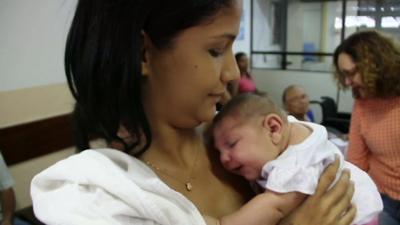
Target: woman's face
(352, 76)
(243, 63)
(185, 81)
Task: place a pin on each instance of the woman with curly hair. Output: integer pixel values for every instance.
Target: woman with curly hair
(369, 63)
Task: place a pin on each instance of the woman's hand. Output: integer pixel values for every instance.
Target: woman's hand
(328, 207)
(210, 220)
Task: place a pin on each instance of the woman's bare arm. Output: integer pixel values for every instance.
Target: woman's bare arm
(326, 206)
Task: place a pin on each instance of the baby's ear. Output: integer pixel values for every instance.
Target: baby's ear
(274, 124)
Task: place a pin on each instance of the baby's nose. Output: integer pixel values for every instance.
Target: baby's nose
(224, 157)
(228, 162)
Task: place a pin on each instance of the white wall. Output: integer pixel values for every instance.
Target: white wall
(263, 22)
(316, 85)
(32, 42)
(242, 43)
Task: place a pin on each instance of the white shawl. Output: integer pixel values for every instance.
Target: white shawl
(107, 186)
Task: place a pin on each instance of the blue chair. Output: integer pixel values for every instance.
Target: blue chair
(310, 48)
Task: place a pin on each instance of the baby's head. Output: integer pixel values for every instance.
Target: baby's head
(249, 132)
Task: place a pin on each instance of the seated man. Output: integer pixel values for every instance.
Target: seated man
(296, 103)
(7, 198)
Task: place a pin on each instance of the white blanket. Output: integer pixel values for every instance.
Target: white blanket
(107, 187)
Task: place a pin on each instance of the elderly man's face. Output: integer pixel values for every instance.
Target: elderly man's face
(297, 102)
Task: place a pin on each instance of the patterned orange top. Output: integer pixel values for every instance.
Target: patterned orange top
(375, 142)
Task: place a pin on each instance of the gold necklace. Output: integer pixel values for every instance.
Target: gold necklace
(188, 182)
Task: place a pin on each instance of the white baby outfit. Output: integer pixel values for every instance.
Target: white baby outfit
(299, 167)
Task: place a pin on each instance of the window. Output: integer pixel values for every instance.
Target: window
(302, 34)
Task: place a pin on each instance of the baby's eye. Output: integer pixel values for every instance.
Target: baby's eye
(232, 144)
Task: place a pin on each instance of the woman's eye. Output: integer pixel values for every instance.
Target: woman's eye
(215, 52)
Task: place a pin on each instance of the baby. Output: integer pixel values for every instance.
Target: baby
(284, 156)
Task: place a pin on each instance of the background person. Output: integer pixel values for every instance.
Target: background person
(296, 103)
(368, 62)
(245, 84)
(7, 197)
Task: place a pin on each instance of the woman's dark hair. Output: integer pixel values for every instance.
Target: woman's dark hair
(103, 57)
(377, 59)
(239, 55)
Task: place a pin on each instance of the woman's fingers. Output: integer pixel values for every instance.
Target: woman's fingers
(348, 216)
(329, 205)
(327, 177)
(341, 186)
(340, 207)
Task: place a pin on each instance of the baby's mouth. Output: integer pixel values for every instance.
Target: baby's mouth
(237, 170)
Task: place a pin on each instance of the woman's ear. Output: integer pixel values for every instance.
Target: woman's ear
(146, 44)
(274, 124)
(145, 69)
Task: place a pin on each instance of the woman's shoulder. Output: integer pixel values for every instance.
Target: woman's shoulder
(375, 106)
(103, 185)
(96, 167)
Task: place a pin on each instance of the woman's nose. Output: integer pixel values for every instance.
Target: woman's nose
(230, 69)
(347, 81)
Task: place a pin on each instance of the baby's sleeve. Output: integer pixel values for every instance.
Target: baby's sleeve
(283, 177)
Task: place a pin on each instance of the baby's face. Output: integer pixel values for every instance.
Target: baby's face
(244, 147)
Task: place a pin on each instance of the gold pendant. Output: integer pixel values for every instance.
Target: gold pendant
(188, 186)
